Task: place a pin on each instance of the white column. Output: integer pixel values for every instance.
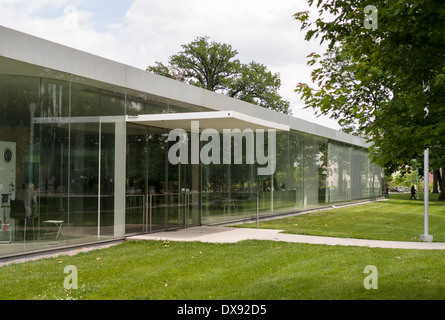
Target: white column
(425, 236)
(120, 142)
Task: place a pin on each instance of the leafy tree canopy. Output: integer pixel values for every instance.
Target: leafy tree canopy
(390, 79)
(213, 66)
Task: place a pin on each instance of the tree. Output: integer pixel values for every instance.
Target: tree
(390, 78)
(212, 66)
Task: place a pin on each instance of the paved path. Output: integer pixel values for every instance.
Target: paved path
(215, 234)
(232, 235)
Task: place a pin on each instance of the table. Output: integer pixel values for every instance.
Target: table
(57, 223)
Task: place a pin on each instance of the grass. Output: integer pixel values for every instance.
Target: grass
(252, 270)
(398, 219)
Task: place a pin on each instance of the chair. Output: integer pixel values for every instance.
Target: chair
(18, 212)
(18, 209)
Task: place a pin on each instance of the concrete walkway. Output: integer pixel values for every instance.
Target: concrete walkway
(215, 234)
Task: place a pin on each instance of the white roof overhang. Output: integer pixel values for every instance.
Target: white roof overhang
(218, 120)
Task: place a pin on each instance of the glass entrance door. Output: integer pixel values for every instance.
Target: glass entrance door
(159, 195)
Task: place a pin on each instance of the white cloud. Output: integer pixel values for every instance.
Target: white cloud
(261, 30)
(55, 20)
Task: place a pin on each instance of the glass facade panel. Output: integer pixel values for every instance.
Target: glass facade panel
(105, 219)
(351, 175)
(137, 179)
(339, 173)
(314, 171)
(83, 170)
(87, 101)
(230, 187)
(296, 170)
(144, 104)
(140, 103)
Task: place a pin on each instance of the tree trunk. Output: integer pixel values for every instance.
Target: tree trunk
(436, 180)
(442, 186)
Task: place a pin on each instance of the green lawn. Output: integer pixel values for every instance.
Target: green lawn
(248, 270)
(253, 270)
(398, 219)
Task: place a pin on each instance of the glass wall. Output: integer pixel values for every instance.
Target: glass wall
(65, 178)
(351, 175)
(310, 172)
(58, 187)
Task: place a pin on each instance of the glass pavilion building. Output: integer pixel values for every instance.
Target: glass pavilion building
(85, 153)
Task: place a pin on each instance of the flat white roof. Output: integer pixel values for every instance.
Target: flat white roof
(45, 56)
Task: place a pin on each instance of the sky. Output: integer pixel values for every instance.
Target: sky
(140, 32)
